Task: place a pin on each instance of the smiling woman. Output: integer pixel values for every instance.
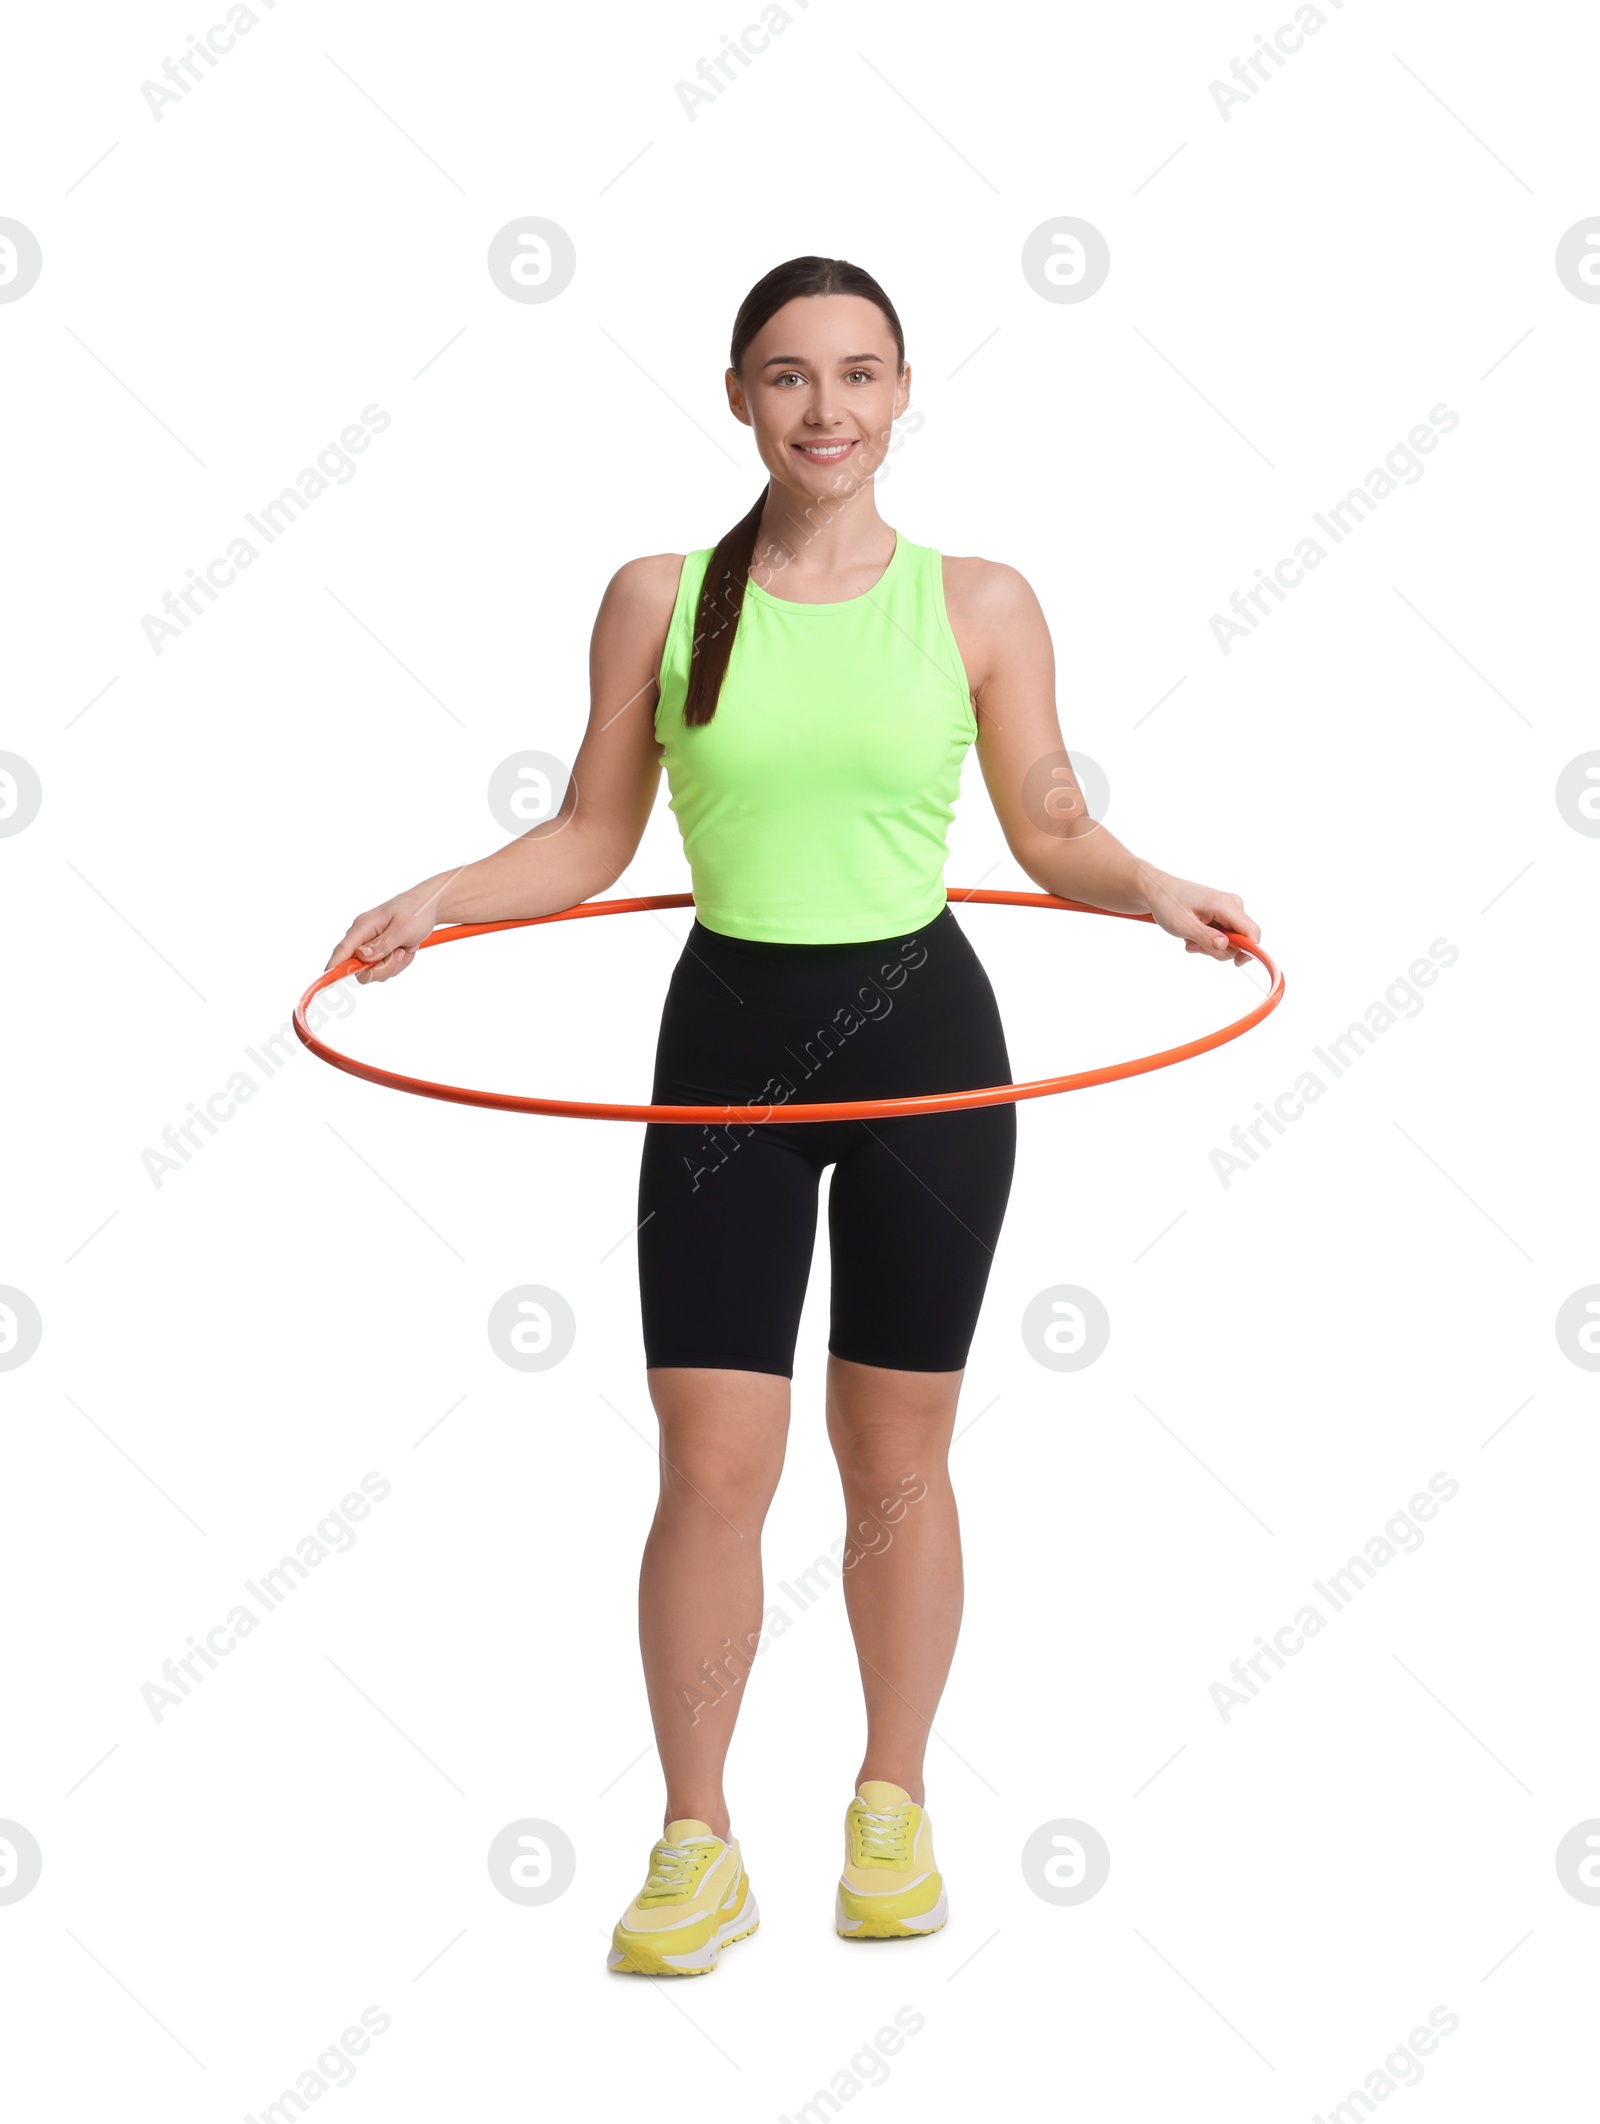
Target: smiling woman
(867, 389)
(812, 685)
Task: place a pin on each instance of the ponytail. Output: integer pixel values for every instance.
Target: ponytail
(717, 613)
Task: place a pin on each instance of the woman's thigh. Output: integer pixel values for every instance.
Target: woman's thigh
(914, 1216)
(727, 1227)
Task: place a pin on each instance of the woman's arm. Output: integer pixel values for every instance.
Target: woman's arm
(591, 840)
(1010, 663)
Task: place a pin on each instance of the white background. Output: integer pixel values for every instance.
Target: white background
(1292, 1356)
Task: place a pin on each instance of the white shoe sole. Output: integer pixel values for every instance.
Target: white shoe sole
(933, 1920)
(700, 1961)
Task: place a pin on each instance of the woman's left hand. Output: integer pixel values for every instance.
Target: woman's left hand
(1200, 915)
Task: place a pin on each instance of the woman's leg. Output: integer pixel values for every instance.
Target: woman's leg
(700, 1597)
(902, 1577)
(914, 1215)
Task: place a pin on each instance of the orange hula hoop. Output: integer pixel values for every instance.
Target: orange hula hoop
(839, 1110)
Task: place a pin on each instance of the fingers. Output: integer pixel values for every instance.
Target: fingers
(1208, 941)
(1226, 911)
(1230, 913)
(383, 942)
(1242, 924)
(1239, 958)
(378, 947)
(386, 968)
(361, 933)
(1183, 920)
(1207, 919)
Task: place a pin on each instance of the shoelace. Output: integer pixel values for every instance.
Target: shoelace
(882, 1836)
(672, 1869)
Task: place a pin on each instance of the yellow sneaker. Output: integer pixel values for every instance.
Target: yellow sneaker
(695, 1901)
(890, 1888)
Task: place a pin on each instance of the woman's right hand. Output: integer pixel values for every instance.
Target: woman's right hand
(388, 938)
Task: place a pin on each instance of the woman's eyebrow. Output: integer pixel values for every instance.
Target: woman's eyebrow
(797, 361)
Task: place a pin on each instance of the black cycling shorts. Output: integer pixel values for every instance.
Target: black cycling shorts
(728, 1213)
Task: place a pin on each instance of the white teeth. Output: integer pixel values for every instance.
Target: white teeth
(825, 449)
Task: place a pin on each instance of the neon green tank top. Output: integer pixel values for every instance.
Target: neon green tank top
(815, 804)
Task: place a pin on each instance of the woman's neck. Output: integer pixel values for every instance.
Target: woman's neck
(821, 539)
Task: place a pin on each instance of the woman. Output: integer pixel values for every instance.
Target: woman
(812, 685)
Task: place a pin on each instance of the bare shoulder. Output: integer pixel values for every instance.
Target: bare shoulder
(644, 585)
(636, 610)
(985, 593)
(994, 616)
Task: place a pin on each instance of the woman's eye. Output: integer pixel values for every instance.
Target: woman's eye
(794, 376)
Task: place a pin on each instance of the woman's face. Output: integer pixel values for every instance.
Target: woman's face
(819, 386)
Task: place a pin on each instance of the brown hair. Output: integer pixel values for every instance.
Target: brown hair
(728, 570)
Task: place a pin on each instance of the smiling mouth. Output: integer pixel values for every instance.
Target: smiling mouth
(826, 453)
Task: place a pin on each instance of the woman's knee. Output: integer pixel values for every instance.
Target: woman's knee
(721, 1446)
(709, 1477)
(895, 1444)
